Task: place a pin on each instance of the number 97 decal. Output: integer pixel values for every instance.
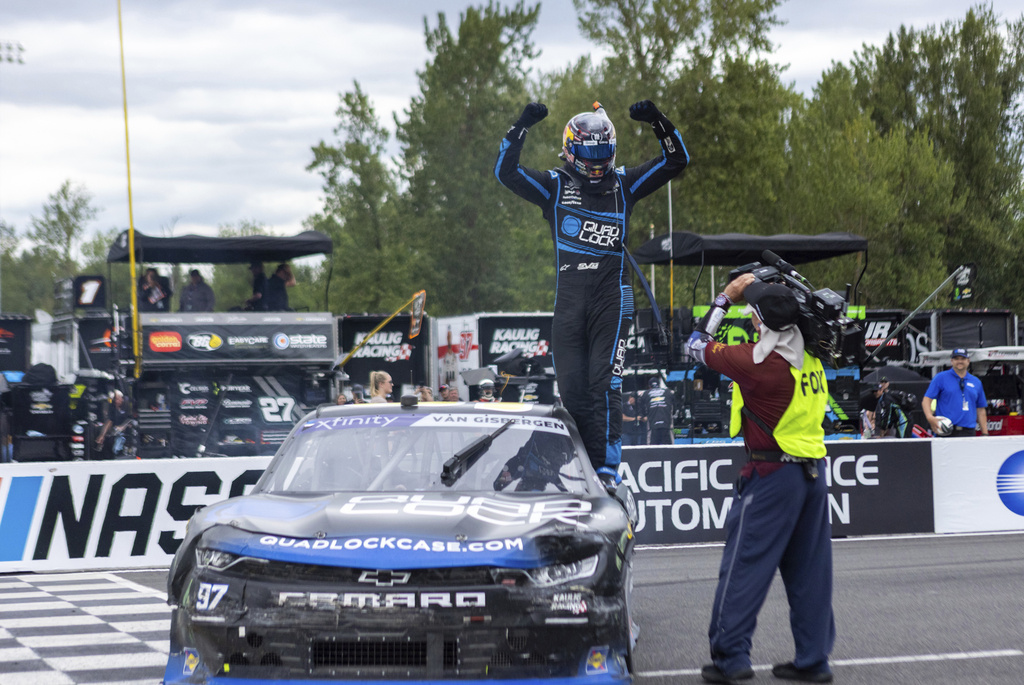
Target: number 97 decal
(209, 596)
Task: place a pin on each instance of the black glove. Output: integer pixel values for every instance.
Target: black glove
(532, 113)
(645, 110)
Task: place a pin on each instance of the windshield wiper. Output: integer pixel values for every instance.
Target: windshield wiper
(464, 459)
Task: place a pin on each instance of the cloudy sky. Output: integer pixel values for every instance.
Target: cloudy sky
(226, 97)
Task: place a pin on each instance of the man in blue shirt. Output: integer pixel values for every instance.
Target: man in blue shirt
(959, 397)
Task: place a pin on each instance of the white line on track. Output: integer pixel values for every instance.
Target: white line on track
(874, 661)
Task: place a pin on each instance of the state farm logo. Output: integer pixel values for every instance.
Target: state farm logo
(528, 339)
(386, 345)
(165, 341)
(205, 342)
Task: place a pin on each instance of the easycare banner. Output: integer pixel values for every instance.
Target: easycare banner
(876, 487)
(109, 514)
(254, 338)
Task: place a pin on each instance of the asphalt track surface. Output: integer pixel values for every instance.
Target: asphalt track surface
(922, 609)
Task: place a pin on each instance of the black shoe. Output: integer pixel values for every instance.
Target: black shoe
(788, 671)
(713, 674)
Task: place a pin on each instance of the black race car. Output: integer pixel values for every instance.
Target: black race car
(413, 542)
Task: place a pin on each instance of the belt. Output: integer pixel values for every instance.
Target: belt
(777, 457)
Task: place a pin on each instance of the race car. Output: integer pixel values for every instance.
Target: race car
(413, 542)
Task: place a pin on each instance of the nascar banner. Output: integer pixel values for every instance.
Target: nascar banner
(132, 514)
(113, 514)
(254, 338)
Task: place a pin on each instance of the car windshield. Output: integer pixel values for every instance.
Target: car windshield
(389, 452)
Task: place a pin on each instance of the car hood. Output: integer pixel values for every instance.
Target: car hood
(412, 530)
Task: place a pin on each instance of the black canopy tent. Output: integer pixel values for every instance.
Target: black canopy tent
(198, 249)
(734, 249)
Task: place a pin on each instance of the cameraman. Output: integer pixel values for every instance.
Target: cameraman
(779, 514)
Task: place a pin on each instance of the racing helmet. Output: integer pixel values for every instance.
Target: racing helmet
(486, 389)
(588, 143)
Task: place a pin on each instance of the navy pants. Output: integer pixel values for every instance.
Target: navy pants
(588, 334)
(776, 522)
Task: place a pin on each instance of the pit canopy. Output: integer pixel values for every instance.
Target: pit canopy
(198, 249)
(734, 249)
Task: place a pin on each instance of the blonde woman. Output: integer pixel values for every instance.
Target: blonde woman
(380, 386)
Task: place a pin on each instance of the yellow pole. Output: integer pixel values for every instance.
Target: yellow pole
(131, 219)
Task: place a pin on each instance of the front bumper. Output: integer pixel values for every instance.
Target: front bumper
(518, 635)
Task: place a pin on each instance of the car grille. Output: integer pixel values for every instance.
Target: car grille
(284, 571)
(395, 653)
(288, 654)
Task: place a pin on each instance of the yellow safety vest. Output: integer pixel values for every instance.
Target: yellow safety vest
(799, 432)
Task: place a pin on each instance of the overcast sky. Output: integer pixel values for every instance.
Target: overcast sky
(226, 97)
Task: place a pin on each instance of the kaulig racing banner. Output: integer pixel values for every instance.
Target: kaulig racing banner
(389, 349)
(501, 334)
(109, 514)
(255, 338)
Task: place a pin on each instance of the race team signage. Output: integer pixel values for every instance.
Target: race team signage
(389, 349)
(258, 338)
(15, 341)
(875, 487)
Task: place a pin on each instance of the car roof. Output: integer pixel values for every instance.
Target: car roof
(511, 408)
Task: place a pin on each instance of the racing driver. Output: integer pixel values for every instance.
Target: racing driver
(587, 202)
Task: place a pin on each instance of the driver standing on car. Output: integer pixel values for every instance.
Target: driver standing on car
(779, 514)
(587, 203)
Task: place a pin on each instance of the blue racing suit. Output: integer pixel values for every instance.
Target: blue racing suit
(593, 296)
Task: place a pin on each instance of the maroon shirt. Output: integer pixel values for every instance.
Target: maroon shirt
(767, 391)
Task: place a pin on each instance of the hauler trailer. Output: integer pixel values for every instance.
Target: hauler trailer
(227, 383)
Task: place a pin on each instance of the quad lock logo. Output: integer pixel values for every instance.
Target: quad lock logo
(1010, 483)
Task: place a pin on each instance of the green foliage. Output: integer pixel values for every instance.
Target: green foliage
(478, 249)
(60, 229)
(961, 85)
(372, 267)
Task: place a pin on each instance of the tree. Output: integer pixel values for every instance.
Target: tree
(58, 232)
(373, 266)
(480, 249)
(962, 86)
(891, 188)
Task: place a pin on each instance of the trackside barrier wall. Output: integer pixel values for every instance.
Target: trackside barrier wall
(132, 514)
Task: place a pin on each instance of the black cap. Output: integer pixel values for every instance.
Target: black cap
(775, 304)
(654, 383)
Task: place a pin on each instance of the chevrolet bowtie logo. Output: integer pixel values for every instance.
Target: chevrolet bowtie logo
(384, 578)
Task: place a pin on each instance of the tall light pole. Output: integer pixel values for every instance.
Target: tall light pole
(11, 52)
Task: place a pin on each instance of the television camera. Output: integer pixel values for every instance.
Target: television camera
(829, 334)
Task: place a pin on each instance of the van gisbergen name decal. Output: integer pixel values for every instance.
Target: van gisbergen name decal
(534, 423)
